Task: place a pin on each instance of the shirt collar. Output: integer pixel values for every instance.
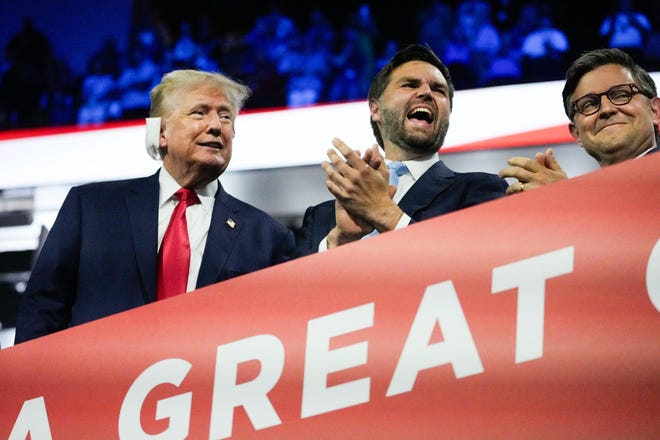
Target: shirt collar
(169, 186)
(648, 151)
(417, 167)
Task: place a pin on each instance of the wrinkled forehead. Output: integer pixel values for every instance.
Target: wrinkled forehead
(205, 93)
(602, 79)
(420, 70)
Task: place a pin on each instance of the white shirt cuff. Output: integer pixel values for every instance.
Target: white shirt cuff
(403, 221)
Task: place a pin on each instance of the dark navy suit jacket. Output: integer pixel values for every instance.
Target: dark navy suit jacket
(438, 191)
(100, 256)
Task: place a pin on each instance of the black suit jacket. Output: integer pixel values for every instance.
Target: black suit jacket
(438, 191)
(100, 256)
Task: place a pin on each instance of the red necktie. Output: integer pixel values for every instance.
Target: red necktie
(174, 255)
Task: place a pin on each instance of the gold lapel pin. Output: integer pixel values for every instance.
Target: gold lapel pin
(231, 223)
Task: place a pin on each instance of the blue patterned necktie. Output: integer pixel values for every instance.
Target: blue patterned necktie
(397, 169)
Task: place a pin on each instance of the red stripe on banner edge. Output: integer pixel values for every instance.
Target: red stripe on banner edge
(545, 136)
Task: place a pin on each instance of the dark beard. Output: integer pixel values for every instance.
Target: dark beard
(422, 145)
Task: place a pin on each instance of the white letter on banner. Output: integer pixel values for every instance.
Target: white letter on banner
(317, 397)
(653, 276)
(227, 394)
(32, 420)
(529, 277)
(176, 408)
(440, 304)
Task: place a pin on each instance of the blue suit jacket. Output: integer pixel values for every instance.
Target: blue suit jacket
(438, 191)
(100, 256)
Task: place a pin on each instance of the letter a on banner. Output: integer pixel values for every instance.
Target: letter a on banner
(440, 304)
(32, 421)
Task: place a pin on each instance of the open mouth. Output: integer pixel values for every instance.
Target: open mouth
(421, 114)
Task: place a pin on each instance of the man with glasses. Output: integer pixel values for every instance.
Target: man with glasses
(614, 110)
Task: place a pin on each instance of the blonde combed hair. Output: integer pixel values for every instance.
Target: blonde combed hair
(177, 81)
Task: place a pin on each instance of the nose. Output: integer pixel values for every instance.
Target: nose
(424, 90)
(214, 125)
(606, 106)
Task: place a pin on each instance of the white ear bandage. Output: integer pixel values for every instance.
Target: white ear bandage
(152, 137)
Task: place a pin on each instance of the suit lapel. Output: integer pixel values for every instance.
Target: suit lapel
(142, 206)
(435, 180)
(223, 232)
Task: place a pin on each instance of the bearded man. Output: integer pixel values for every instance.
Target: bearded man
(410, 102)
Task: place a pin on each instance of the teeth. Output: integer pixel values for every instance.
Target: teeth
(421, 113)
(421, 109)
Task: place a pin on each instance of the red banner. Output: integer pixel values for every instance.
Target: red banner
(533, 316)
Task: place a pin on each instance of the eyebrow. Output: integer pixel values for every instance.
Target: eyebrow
(207, 107)
(608, 89)
(418, 80)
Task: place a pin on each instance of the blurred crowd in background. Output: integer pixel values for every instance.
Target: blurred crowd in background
(328, 54)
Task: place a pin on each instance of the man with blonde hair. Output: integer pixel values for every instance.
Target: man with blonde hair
(118, 245)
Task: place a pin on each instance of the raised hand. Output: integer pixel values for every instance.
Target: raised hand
(533, 173)
(362, 192)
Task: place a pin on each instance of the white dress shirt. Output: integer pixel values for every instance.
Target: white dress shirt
(646, 152)
(416, 168)
(198, 218)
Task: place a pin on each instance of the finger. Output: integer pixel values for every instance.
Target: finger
(334, 189)
(511, 189)
(391, 190)
(540, 159)
(334, 175)
(333, 156)
(349, 154)
(368, 156)
(551, 161)
(332, 181)
(328, 168)
(514, 172)
(523, 162)
(374, 159)
(338, 162)
(378, 161)
(515, 187)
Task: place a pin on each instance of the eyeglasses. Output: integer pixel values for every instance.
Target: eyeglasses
(621, 94)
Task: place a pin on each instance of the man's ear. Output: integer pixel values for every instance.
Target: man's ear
(655, 108)
(162, 140)
(374, 108)
(573, 130)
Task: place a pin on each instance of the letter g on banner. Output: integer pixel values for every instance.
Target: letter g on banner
(175, 408)
(653, 276)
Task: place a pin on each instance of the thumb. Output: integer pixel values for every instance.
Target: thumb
(377, 157)
(391, 190)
